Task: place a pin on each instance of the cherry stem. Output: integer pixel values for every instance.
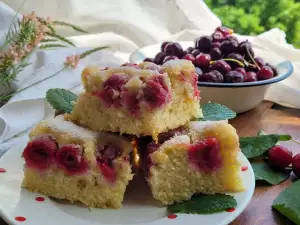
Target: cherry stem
(298, 142)
(232, 60)
(253, 59)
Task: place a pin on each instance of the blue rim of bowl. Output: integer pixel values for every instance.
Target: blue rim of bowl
(285, 69)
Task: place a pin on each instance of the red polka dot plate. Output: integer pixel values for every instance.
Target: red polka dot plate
(19, 206)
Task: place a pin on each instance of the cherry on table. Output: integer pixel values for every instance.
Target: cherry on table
(296, 165)
(280, 157)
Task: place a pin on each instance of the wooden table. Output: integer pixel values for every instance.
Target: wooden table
(272, 119)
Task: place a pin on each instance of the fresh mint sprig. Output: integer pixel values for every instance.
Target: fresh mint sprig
(214, 112)
(204, 204)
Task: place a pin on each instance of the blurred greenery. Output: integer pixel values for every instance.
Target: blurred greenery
(256, 16)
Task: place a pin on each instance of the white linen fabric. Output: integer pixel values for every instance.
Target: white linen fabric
(124, 25)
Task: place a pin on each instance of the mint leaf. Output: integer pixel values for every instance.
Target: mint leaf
(264, 172)
(214, 111)
(258, 145)
(61, 99)
(203, 204)
(288, 202)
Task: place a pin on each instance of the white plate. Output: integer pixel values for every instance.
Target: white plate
(138, 207)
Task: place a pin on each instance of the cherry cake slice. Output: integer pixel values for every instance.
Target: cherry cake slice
(201, 157)
(143, 99)
(65, 161)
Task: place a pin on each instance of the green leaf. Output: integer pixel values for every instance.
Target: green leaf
(88, 52)
(258, 145)
(77, 28)
(288, 202)
(203, 204)
(214, 111)
(60, 38)
(264, 172)
(46, 46)
(49, 40)
(61, 99)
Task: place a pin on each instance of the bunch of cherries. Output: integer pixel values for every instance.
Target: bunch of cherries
(219, 58)
(281, 158)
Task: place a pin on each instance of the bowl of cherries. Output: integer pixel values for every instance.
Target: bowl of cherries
(229, 70)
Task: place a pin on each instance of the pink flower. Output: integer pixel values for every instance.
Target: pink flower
(28, 48)
(72, 60)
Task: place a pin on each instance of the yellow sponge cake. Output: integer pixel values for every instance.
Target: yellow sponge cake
(144, 99)
(65, 161)
(199, 158)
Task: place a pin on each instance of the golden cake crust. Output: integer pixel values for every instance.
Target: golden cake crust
(172, 178)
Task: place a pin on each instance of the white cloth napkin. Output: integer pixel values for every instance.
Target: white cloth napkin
(124, 26)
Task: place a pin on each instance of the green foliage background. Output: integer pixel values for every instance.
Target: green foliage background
(256, 16)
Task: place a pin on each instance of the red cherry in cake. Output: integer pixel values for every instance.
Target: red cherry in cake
(111, 94)
(165, 136)
(40, 152)
(70, 158)
(151, 147)
(131, 102)
(108, 172)
(109, 152)
(205, 154)
(280, 157)
(156, 93)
